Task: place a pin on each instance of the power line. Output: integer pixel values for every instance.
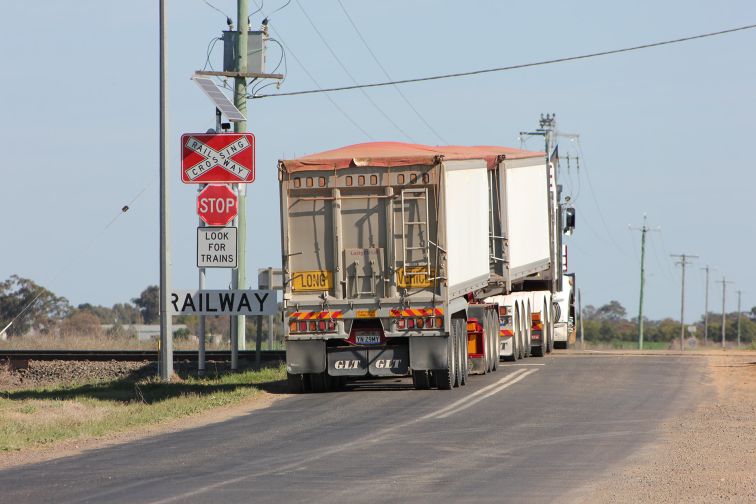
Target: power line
(516, 67)
(385, 72)
(351, 77)
(312, 78)
(595, 201)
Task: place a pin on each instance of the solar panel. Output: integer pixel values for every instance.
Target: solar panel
(220, 100)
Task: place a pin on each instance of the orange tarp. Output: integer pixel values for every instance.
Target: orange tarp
(391, 154)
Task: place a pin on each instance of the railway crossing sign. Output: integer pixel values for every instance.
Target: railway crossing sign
(216, 247)
(208, 158)
(217, 205)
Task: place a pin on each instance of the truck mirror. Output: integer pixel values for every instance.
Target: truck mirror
(569, 220)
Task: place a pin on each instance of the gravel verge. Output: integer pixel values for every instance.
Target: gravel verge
(706, 456)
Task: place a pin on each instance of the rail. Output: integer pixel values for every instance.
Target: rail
(134, 355)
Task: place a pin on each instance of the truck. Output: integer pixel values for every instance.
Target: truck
(411, 260)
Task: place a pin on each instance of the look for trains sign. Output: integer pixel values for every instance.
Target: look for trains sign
(217, 158)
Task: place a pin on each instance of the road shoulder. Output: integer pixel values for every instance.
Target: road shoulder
(706, 455)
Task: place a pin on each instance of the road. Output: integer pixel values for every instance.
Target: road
(531, 432)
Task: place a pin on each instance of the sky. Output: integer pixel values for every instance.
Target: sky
(665, 132)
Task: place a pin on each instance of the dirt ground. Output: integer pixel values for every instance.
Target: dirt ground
(706, 456)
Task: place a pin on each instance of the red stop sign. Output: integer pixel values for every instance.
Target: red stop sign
(217, 205)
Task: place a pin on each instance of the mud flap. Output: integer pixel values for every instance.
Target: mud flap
(347, 362)
(305, 356)
(389, 361)
(427, 352)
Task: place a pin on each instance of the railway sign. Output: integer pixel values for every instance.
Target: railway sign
(217, 205)
(216, 247)
(208, 158)
(223, 302)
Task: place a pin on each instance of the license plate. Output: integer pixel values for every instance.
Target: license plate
(367, 339)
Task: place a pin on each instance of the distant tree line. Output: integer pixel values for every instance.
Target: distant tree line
(43, 312)
(610, 322)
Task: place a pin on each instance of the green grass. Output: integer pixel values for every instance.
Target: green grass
(42, 416)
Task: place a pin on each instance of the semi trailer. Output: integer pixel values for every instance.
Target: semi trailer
(412, 260)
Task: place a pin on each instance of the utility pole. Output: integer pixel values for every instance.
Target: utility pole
(547, 128)
(239, 280)
(643, 229)
(739, 293)
(684, 261)
(166, 332)
(706, 306)
(724, 283)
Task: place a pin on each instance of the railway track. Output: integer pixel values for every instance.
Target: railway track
(134, 355)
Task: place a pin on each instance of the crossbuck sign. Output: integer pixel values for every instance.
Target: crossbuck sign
(217, 158)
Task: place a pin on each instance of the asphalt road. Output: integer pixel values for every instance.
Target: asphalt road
(527, 433)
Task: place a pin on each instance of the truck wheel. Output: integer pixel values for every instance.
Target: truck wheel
(463, 369)
(295, 383)
(445, 377)
(496, 341)
(421, 380)
(457, 355)
(320, 382)
(537, 351)
(491, 343)
(487, 343)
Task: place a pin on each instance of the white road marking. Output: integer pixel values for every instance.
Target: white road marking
(494, 391)
(512, 365)
(472, 396)
(362, 442)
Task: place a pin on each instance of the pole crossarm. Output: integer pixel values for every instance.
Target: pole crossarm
(248, 75)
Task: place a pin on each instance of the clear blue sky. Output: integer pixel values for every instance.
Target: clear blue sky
(665, 131)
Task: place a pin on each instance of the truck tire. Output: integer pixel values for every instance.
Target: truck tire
(320, 382)
(487, 343)
(537, 351)
(445, 377)
(457, 353)
(463, 369)
(295, 383)
(421, 380)
(496, 341)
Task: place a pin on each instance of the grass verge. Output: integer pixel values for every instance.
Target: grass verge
(42, 416)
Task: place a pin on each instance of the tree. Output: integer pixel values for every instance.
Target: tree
(149, 304)
(36, 307)
(81, 323)
(127, 314)
(611, 311)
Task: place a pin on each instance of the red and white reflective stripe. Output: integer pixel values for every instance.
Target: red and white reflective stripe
(317, 315)
(418, 312)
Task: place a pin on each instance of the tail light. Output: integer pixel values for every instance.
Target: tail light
(312, 326)
(419, 323)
